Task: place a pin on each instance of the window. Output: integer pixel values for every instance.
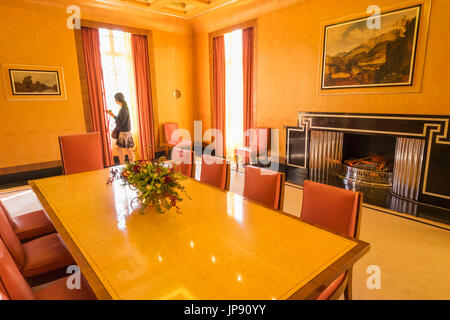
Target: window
(234, 92)
(118, 73)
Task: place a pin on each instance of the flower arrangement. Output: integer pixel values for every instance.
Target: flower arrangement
(157, 184)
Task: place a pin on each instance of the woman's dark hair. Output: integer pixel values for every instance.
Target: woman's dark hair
(121, 98)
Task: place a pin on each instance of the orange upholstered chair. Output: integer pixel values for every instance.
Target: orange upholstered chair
(14, 286)
(258, 146)
(29, 225)
(264, 186)
(339, 211)
(183, 161)
(81, 152)
(172, 137)
(215, 171)
(38, 256)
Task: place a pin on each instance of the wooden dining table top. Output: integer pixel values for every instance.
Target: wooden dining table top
(222, 246)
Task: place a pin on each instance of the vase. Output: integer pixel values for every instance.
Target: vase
(137, 204)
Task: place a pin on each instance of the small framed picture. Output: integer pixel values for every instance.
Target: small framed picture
(30, 82)
(34, 82)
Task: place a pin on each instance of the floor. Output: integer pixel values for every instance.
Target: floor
(413, 257)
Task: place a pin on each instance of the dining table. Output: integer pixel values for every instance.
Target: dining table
(221, 246)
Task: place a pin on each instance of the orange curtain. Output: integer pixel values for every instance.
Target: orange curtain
(248, 62)
(139, 47)
(219, 91)
(94, 75)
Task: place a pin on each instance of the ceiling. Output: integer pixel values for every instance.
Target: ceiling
(186, 9)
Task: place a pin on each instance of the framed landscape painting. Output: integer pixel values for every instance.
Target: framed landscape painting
(358, 56)
(34, 82)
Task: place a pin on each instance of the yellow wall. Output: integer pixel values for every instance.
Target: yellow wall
(173, 63)
(37, 35)
(289, 44)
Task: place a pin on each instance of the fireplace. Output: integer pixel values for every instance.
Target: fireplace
(401, 157)
(368, 159)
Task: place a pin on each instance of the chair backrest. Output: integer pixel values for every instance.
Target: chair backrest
(263, 138)
(264, 186)
(183, 161)
(81, 152)
(12, 283)
(215, 171)
(11, 240)
(259, 139)
(331, 207)
(170, 133)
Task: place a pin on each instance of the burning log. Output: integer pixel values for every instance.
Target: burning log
(372, 162)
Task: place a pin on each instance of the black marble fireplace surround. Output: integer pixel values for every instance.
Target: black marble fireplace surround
(424, 139)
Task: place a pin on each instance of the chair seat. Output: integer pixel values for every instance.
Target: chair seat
(45, 254)
(32, 225)
(328, 292)
(58, 290)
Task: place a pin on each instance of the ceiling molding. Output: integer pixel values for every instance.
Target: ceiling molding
(183, 9)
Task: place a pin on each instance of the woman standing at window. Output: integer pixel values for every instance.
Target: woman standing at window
(123, 129)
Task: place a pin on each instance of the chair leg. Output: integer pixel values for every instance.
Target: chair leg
(236, 159)
(348, 288)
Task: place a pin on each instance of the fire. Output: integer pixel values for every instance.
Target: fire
(372, 162)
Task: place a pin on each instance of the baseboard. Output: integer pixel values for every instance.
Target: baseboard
(30, 167)
(18, 178)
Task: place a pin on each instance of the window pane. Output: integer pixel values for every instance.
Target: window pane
(234, 89)
(119, 41)
(105, 44)
(107, 64)
(118, 72)
(121, 64)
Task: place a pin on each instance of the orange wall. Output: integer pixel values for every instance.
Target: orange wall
(173, 63)
(37, 35)
(289, 44)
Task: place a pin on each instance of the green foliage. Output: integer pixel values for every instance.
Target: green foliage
(157, 184)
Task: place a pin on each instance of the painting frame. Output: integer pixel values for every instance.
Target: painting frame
(45, 90)
(417, 66)
(45, 83)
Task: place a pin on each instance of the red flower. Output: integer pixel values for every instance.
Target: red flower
(137, 168)
(125, 174)
(167, 179)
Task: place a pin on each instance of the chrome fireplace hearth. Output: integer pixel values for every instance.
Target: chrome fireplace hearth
(372, 177)
(329, 155)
